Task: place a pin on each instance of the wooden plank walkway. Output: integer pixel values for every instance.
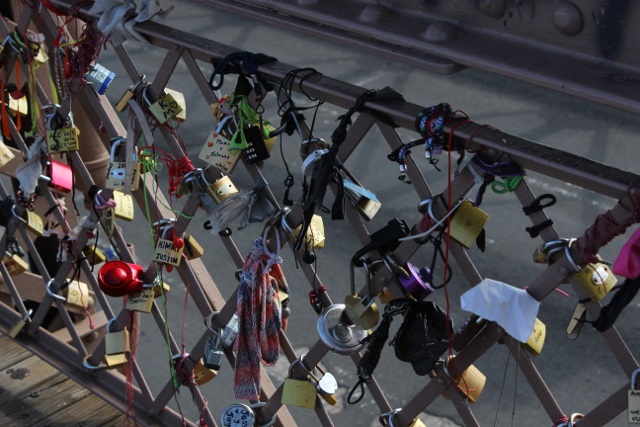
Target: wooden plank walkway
(34, 394)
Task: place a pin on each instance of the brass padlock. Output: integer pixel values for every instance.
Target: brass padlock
(365, 202)
(301, 393)
(470, 383)
(141, 301)
(221, 189)
(77, 294)
(169, 247)
(536, 341)
(361, 311)
(14, 264)
(217, 152)
(596, 280)
(160, 288)
(467, 223)
(192, 249)
(128, 96)
(182, 103)
(633, 397)
(117, 169)
(386, 419)
(165, 108)
(201, 374)
(117, 345)
(63, 138)
(15, 329)
(34, 223)
(548, 251)
(94, 255)
(314, 237)
(124, 205)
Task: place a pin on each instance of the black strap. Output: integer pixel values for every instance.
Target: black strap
(537, 205)
(534, 231)
(248, 62)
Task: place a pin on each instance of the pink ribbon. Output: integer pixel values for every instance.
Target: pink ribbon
(628, 262)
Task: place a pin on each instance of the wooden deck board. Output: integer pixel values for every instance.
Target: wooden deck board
(35, 394)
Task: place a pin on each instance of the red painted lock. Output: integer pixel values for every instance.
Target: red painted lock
(118, 278)
(61, 176)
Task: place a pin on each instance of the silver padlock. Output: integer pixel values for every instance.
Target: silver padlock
(340, 337)
(101, 78)
(213, 353)
(229, 332)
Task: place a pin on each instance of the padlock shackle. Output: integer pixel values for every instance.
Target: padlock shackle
(572, 261)
(51, 293)
(115, 142)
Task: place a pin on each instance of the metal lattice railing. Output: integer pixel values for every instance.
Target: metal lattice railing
(79, 354)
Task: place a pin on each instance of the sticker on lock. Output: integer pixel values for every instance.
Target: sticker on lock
(467, 223)
(167, 253)
(217, 152)
(62, 140)
(596, 280)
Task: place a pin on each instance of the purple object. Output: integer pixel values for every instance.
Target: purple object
(417, 285)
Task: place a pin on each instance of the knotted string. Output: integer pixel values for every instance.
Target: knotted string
(259, 320)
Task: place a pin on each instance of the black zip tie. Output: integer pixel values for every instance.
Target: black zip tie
(537, 205)
(534, 231)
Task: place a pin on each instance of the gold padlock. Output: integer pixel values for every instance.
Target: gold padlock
(94, 255)
(301, 393)
(179, 98)
(116, 345)
(14, 264)
(128, 96)
(365, 202)
(596, 280)
(221, 189)
(165, 108)
(124, 205)
(361, 311)
(192, 249)
(314, 237)
(77, 294)
(34, 223)
(536, 340)
(385, 296)
(63, 139)
(159, 290)
(141, 301)
(467, 223)
(470, 384)
(20, 324)
(633, 398)
(202, 374)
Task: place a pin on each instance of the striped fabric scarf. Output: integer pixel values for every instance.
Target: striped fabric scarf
(259, 320)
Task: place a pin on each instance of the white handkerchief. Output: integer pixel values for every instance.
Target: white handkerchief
(512, 308)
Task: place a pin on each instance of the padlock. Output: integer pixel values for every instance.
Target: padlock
(470, 383)
(34, 223)
(213, 353)
(77, 294)
(60, 176)
(314, 237)
(467, 223)
(124, 205)
(16, 328)
(237, 415)
(361, 311)
(326, 387)
(128, 96)
(633, 397)
(536, 341)
(118, 278)
(339, 336)
(385, 296)
(117, 169)
(165, 108)
(182, 103)
(168, 250)
(100, 77)
(192, 249)
(116, 345)
(160, 288)
(418, 283)
(217, 152)
(386, 419)
(201, 374)
(14, 264)
(230, 332)
(301, 393)
(221, 189)
(141, 301)
(6, 155)
(548, 251)
(94, 255)
(578, 317)
(256, 150)
(365, 201)
(469, 329)
(18, 106)
(596, 280)
(64, 138)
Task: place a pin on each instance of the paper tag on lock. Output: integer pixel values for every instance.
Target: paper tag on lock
(217, 152)
(467, 223)
(14, 264)
(165, 108)
(141, 301)
(34, 223)
(124, 205)
(6, 155)
(633, 397)
(167, 253)
(77, 294)
(596, 280)
(301, 393)
(63, 139)
(536, 341)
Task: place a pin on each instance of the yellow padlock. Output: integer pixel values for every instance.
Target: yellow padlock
(192, 249)
(361, 311)
(141, 301)
(221, 189)
(301, 393)
(124, 205)
(536, 340)
(122, 104)
(34, 223)
(116, 345)
(314, 237)
(467, 223)
(202, 374)
(470, 383)
(596, 280)
(94, 255)
(165, 108)
(14, 264)
(182, 104)
(77, 294)
(158, 290)
(20, 324)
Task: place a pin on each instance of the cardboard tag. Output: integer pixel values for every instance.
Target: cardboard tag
(179, 98)
(142, 301)
(167, 253)
(34, 223)
(217, 152)
(165, 108)
(124, 205)
(64, 139)
(6, 155)
(77, 294)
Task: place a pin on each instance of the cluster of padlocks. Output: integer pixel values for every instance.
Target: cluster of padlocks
(50, 75)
